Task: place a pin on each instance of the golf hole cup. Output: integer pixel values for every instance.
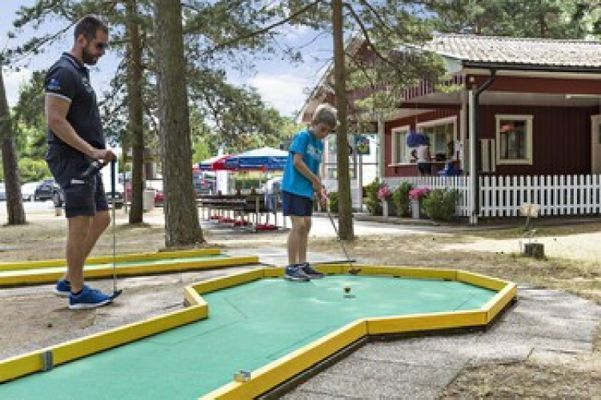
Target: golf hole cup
(347, 292)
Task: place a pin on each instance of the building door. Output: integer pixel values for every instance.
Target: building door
(596, 144)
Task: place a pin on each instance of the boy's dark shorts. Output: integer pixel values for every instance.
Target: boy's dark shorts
(296, 205)
(83, 197)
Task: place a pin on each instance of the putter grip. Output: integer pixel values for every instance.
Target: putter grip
(113, 173)
(93, 169)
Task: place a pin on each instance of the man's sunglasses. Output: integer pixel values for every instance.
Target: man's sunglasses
(102, 46)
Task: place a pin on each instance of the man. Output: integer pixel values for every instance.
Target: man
(300, 185)
(75, 139)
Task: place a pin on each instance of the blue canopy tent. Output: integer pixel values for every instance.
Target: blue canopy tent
(265, 158)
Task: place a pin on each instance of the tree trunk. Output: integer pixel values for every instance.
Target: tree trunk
(181, 214)
(136, 116)
(12, 180)
(345, 210)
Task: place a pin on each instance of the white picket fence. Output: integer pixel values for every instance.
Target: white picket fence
(501, 196)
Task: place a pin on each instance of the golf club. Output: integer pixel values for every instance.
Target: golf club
(350, 261)
(113, 228)
(93, 169)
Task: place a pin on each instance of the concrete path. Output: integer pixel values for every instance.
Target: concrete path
(322, 227)
(278, 256)
(543, 324)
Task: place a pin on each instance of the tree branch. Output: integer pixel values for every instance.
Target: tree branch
(367, 38)
(265, 29)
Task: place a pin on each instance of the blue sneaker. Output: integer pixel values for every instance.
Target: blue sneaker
(88, 298)
(62, 288)
(295, 272)
(310, 271)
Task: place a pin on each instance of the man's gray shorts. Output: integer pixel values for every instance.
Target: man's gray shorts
(83, 197)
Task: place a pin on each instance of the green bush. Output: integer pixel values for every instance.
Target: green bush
(333, 203)
(373, 204)
(400, 199)
(248, 183)
(440, 204)
(33, 170)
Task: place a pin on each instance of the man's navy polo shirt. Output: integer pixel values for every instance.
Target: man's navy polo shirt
(70, 80)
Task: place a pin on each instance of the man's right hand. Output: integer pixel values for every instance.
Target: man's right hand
(105, 155)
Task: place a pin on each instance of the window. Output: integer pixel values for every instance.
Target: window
(514, 139)
(442, 135)
(330, 163)
(401, 154)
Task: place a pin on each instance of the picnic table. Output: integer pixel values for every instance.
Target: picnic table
(237, 210)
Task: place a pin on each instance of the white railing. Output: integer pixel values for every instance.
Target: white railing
(459, 183)
(501, 196)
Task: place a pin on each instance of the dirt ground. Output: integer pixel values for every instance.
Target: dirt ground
(43, 238)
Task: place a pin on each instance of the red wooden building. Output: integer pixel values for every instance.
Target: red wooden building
(523, 109)
(539, 115)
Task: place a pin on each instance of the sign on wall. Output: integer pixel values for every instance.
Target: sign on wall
(362, 145)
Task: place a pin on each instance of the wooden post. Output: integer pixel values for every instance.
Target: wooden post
(536, 250)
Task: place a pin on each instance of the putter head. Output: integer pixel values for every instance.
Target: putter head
(116, 294)
(353, 270)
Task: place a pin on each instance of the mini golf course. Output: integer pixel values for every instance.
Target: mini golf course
(256, 322)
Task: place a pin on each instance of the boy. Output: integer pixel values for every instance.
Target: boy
(300, 184)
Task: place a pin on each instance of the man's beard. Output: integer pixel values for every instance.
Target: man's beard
(88, 58)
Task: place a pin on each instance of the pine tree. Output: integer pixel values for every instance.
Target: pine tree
(14, 201)
(180, 206)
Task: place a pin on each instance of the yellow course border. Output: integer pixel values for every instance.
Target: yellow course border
(269, 376)
(34, 277)
(163, 255)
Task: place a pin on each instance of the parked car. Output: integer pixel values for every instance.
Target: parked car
(58, 197)
(204, 182)
(46, 190)
(119, 191)
(28, 190)
(2, 192)
(157, 186)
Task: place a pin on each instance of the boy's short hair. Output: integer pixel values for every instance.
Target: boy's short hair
(325, 114)
(88, 26)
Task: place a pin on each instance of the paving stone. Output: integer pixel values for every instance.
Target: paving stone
(396, 371)
(544, 325)
(308, 395)
(366, 388)
(417, 354)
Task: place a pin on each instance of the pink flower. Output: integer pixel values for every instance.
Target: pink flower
(384, 192)
(418, 193)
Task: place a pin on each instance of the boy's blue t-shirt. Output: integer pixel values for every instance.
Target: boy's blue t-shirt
(305, 143)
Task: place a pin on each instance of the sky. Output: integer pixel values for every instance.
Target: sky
(281, 84)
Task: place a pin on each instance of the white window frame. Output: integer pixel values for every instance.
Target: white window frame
(437, 122)
(528, 118)
(396, 132)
